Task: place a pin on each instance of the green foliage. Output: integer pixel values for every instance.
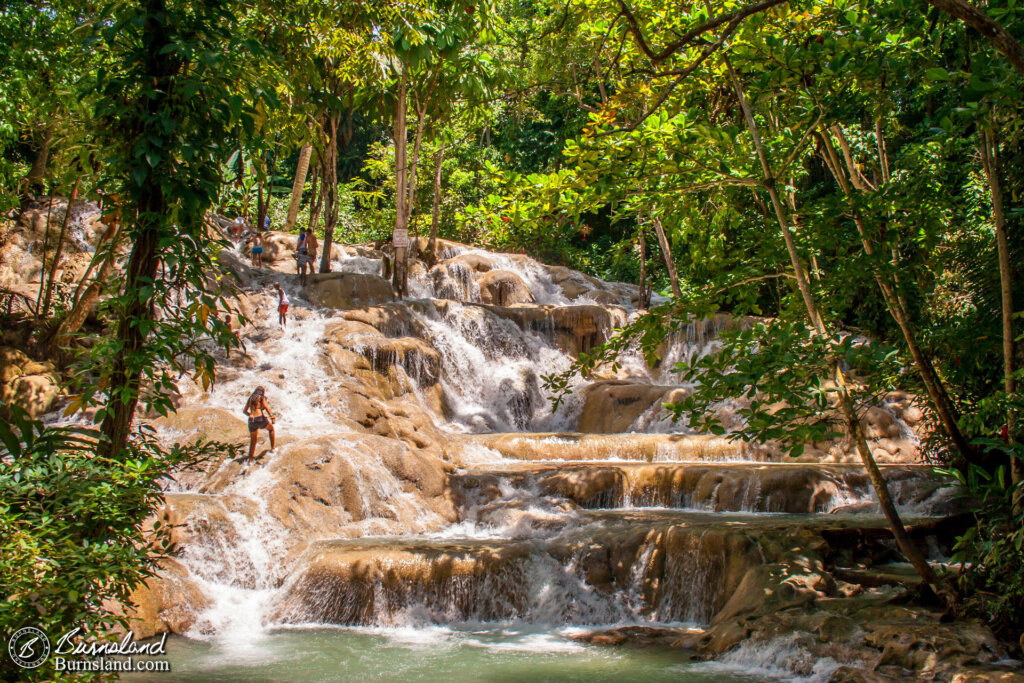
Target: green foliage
(569, 127)
(73, 499)
(165, 150)
(72, 538)
(991, 552)
(42, 72)
(778, 370)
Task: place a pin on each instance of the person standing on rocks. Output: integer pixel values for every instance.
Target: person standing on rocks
(311, 246)
(302, 260)
(257, 251)
(231, 331)
(282, 305)
(257, 410)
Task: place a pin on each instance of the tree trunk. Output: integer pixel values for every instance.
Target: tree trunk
(246, 194)
(645, 299)
(35, 181)
(97, 257)
(436, 209)
(937, 393)
(60, 247)
(318, 198)
(298, 185)
(259, 208)
(42, 252)
(263, 207)
(152, 208)
(330, 181)
(399, 276)
(899, 532)
(977, 19)
(667, 253)
(990, 161)
(142, 266)
(74, 320)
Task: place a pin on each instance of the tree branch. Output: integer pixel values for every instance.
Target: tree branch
(977, 19)
(688, 37)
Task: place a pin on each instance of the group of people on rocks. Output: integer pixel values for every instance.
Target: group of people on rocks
(305, 253)
(256, 409)
(242, 232)
(306, 246)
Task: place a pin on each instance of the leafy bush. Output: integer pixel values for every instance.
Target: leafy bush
(991, 553)
(72, 541)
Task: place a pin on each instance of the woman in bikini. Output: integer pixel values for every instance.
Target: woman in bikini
(255, 408)
(302, 260)
(257, 251)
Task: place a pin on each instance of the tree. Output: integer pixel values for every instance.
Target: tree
(298, 185)
(433, 66)
(167, 111)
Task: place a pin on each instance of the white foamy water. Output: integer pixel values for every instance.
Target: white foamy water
(490, 373)
(784, 658)
(288, 364)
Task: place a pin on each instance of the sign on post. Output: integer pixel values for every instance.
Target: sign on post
(400, 239)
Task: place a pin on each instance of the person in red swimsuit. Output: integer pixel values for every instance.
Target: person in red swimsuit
(282, 305)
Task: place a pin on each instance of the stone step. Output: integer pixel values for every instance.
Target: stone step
(612, 566)
(635, 447)
(750, 487)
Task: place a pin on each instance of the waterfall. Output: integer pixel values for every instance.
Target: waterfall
(421, 479)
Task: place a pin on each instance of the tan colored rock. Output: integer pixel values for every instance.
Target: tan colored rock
(643, 636)
(279, 250)
(446, 249)
(724, 637)
(749, 596)
(391, 320)
(612, 406)
(166, 603)
(477, 263)
(455, 280)
(37, 394)
(12, 364)
(574, 329)
(605, 298)
(879, 424)
(352, 582)
(376, 373)
(418, 359)
(650, 447)
(852, 674)
(977, 674)
(572, 282)
(210, 424)
(348, 290)
(927, 646)
(21, 244)
(189, 517)
(722, 487)
(337, 482)
(503, 288)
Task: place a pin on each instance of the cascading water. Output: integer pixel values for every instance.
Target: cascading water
(492, 372)
(509, 543)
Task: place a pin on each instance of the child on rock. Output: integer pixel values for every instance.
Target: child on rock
(282, 305)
